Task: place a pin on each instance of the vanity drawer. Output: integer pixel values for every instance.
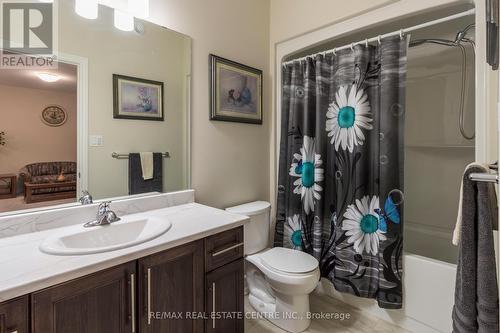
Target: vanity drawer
(223, 248)
(14, 316)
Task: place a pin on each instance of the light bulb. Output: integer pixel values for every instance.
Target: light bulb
(87, 8)
(124, 21)
(139, 8)
(47, 77)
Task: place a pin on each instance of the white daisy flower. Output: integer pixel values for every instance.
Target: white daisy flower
(305, 166)
(292, 233)
(362, 225)
(347, 116)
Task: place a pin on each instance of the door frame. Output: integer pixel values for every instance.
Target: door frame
(82, 149)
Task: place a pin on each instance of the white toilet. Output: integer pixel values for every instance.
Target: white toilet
(279, 280)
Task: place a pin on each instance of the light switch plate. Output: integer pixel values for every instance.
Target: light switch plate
(96, 140)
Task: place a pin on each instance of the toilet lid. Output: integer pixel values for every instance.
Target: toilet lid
(289, 261)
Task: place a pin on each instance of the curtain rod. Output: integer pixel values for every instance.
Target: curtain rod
(394, 33)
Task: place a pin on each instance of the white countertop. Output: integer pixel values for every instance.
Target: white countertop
(25, 269)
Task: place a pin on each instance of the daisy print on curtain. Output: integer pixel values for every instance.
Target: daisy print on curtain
(347, 117)
(306, 168)
(293, 233)
(362, 225)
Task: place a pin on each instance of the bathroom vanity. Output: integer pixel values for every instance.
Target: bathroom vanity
(173, 283)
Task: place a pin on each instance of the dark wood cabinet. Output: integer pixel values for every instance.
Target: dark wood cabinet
(168, 292)
(172, 290)
(224, 298)
(14, 316)
(223, 248)
(103, 302)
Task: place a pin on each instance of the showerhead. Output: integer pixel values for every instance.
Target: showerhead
(445, 42)
(462, 34)
(460, 39)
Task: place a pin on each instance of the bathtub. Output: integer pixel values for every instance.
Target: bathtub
(429, 287)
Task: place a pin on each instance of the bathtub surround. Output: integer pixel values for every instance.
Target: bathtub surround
(341, 166)
(476, 289)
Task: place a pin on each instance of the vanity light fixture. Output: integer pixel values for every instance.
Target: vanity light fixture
(139, 8)
(123, 20)
(48, 77)
(87, 8)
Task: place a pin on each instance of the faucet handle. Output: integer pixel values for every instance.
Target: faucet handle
(103, 207)
(86, 198)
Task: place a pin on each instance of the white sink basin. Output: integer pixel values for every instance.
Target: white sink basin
(125, 233)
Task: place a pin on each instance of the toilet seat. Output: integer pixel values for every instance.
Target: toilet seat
(288, 261)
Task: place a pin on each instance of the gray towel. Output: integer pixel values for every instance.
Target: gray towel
(476, 289)
(136, 183)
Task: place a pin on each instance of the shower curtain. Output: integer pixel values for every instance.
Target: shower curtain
(340, 177)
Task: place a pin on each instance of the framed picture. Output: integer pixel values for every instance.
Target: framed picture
(135, 98)
(236, 91)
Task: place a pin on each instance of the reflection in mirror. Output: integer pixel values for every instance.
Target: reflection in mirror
(112, 91)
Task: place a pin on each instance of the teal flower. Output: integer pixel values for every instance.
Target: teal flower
(306, 167)
(292, 236)
(361, 224)
(347, 116)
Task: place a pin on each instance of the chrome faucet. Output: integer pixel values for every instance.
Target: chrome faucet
(86, 198)
(105, 216)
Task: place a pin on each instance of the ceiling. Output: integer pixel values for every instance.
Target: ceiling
(28, 79)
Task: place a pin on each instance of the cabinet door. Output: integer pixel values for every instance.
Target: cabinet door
(103, 302)
(171, 292)
(224, 298)
(14, 316)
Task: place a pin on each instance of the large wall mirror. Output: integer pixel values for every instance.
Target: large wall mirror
(92, 122)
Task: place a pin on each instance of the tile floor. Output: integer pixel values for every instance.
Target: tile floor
(358, 322)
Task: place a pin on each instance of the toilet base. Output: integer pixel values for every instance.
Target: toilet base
(290, 313)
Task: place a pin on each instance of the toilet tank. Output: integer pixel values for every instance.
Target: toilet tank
(256, 236)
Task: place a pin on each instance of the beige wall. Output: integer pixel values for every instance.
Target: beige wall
(230, 161)
(159, 55)
(28, 139)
